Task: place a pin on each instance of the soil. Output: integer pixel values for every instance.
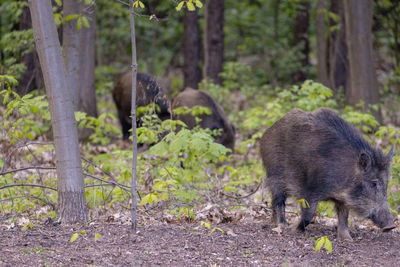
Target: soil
(250, 242)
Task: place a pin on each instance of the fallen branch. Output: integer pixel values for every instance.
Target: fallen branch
(32, 185)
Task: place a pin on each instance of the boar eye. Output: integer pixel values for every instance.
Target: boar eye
(374, 184)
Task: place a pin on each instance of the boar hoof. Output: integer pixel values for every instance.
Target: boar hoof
(345, 236)
(388, 228)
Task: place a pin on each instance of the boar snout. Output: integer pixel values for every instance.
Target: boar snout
(383, 218)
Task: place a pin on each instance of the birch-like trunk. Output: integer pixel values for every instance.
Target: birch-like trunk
(133, 113)
(71, 193)
(79, 57)
(71, 50)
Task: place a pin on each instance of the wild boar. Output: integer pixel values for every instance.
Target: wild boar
(147, 91)
(319, 156)
(217, 120)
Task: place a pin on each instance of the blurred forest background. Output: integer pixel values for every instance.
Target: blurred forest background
(257, 58)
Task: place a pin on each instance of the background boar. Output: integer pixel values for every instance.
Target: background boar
(147, 91)
(319, 156)
(217, 120)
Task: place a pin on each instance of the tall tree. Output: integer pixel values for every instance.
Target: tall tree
(322, 44)
(363, 83)
(301, 27)
(191, 49)
(71, 193)
(32, 78)
(333, 65)
(214, 39)
(79, 57)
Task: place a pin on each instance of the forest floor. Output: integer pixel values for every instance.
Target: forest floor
(248, 242)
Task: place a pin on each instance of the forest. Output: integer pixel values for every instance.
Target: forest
(200, 132)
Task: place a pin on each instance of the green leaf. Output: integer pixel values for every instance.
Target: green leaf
(74, 237)
(180, 5)
(85, 22)
(190, 6)
(79, 24)
(141, 4)
(328, 245)
(83, 232)
(199, 4)
(70, 17)
(318, 244)
(97, 237)
(58, 2)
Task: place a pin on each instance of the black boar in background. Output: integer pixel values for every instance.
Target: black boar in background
(147, 91)
(317, 157)
(217, 120)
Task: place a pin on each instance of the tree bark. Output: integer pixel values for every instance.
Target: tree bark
(71, 50)
(301, 26)
(71, 193)
(363, 83)
(191, 49)
(322, 45)
(87, 91)
(133, 114)
(214, 39)
(79, 57)
(338, 62)
(32, 78)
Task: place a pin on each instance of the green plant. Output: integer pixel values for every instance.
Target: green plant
(323, 242)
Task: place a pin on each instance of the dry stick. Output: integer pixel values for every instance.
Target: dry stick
(124, 187)
(133, 114)
(48, 202)
(28, 168)
(33, 185)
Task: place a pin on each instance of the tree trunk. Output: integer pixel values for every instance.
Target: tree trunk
(79, 57)
(214, 40)
(301, 26)
(338, 62)
(87, 91)
(71, 193)
(71, 50)
(191, 49)
(32, 78)
(133, 113)
(322, 45)
(363, 83)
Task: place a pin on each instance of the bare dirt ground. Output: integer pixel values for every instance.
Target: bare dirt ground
(250, 242)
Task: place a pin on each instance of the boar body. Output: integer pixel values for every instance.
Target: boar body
(147, 91)
(217, 120)
(319, 156)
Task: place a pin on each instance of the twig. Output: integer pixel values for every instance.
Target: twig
(32, 185)
(241, 197)
(124, 187)
(28, 168)
(95, 185)
(48, 202)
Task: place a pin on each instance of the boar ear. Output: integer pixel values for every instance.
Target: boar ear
(364, 161)
(390, 155)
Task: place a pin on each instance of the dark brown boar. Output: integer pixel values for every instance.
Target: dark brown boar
(217, 120)
(319, 156)
(147, 91)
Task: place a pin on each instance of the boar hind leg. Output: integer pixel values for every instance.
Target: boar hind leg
(306, 215)
(343, 216)
(278, 206)
(126, 126)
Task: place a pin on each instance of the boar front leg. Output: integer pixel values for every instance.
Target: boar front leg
(306, 215)
(343, 217)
